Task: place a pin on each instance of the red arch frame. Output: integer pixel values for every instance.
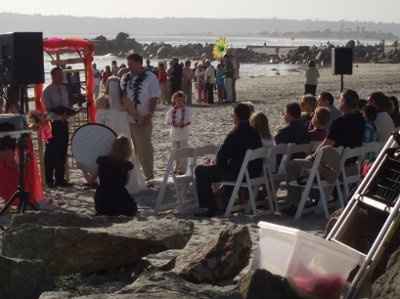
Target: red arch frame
(85, 49)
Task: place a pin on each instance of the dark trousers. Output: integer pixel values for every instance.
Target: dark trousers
(114, 201)
(55, 155)
(206, 175)
(234, 91)
(310, 89)
(210, 93)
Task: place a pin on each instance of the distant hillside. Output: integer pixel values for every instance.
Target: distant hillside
(92, 26)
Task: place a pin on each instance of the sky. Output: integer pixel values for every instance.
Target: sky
(362, 10)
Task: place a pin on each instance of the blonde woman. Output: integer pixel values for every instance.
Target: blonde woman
(112, 198)
(259, 121)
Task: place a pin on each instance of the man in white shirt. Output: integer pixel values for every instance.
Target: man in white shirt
(55, 98)
(141, 91)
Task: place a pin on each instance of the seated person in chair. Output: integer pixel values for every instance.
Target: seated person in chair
(229, 160)
(296, 129)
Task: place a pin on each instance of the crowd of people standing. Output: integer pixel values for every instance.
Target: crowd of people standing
(203, 81)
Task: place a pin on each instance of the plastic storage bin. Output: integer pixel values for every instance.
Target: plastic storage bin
(293, 254)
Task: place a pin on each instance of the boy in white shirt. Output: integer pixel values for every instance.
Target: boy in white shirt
(179, 118)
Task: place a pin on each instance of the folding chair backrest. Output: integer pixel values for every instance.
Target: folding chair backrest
(355, 154)
(315, 145)
(252, 155)
(274, 153)
(372, 148)
(293, 151)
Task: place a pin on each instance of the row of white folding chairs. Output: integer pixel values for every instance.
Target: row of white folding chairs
(343, 182)
(182, 182)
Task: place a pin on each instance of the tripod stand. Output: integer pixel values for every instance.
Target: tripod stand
(21, 193)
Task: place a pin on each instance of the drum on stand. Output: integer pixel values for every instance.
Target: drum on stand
(90, 142)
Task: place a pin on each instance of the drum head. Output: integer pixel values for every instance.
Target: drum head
(90, 142)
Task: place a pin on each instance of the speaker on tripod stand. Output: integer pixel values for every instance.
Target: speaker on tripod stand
(21, 64)
(342, 63)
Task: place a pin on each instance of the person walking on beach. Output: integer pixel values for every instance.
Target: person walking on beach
(114, 67)
(175, 76)
(163, 80)
(229, 76)
(210, 82)
(312, 77)
(220, 80)
(200, 83)
(187, 82)
(97, 80)
(236, 76)
(141, 91)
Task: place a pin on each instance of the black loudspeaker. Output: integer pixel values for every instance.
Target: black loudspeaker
(342, 61)
(21, 58)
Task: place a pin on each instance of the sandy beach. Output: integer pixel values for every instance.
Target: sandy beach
(210, 125)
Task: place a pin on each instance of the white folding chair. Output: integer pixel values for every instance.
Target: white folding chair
(372, 148)
(186, 179)
(276, 155)
(292, 151)
(347, 180)
(314, 182)
(251, 184)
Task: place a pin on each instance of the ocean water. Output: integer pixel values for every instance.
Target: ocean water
(247, 70)
(241, 41)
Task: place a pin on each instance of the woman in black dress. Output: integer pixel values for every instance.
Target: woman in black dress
(112, 198)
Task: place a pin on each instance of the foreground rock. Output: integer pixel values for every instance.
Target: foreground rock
(171, 286)
(388, 285)
(86, 250)
(56, 295)
(66, 219)
(260, 282)
(220, 260)
(22, 279)
(163, 261)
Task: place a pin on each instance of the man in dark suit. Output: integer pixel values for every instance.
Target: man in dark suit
(229, 160)
(296, 130)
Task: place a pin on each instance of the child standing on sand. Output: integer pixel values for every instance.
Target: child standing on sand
(179, 118)
(221, 82)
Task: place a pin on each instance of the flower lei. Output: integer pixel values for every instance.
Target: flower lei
(136, 85)
(182, 123)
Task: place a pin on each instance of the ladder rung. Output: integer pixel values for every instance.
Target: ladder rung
(375, 204)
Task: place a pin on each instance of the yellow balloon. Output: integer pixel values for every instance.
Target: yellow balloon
(221, 48)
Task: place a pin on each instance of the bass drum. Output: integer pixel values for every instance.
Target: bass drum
(90, 142)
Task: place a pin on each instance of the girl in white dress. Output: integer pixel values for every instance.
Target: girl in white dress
(118, 120)
(179, 118)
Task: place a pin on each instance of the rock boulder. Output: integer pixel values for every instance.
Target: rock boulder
(86, 250)
(22, 279)
(220, 260)
(388, 285)
(168, 285)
